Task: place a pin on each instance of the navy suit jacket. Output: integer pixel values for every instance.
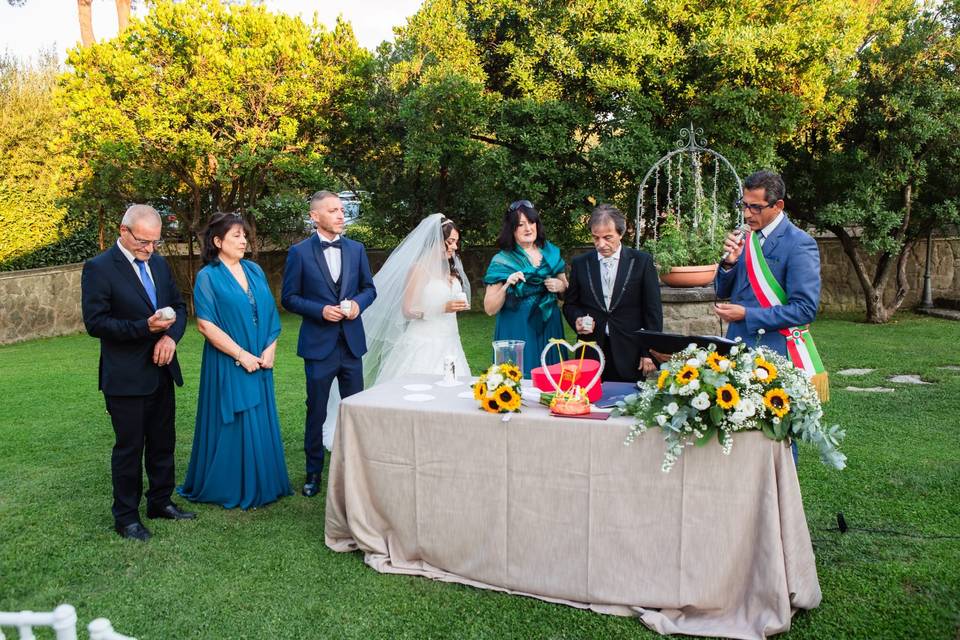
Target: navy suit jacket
(115, 309)
(794, 260)
(308, 287)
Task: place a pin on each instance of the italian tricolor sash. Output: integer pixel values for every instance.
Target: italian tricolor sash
(800, 346)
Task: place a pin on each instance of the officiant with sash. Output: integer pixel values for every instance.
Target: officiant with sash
(614, 291)
(327, 281)
(772, 278)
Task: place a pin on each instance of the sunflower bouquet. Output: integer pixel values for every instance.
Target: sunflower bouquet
(701, 394)
(498, 388)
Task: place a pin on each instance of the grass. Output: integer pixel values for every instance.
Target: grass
(266, 573)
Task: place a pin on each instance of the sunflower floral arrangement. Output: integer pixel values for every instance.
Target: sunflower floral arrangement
(498, 388)
(701, 394)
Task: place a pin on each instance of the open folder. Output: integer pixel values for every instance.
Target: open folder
(670, 343)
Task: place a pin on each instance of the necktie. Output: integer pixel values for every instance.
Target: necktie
(324, 245)
(147, 282)
(608, 265)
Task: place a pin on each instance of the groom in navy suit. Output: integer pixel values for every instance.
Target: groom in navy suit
(327, 281)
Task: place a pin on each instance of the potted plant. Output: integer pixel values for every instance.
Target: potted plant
(686, 256)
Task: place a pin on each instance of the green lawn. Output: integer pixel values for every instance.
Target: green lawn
(266, 573)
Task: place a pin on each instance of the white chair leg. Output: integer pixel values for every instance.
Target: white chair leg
(65, 622)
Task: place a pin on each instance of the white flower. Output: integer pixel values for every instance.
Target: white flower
(661, 419)
(737, 417)
(672, 408)
(761, 373)
(747, 407)
(724, 364)
(701, 402)
(494, 380)
(692, 362)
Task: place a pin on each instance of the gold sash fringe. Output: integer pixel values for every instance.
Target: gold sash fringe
(821, 382)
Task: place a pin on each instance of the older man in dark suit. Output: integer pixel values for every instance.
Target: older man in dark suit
(124, 292)
(613, 292)
(327, 281)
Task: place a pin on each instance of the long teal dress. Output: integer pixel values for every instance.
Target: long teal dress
(530, 312)
(237, 458)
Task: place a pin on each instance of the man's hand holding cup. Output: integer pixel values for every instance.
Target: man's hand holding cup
(585, 325)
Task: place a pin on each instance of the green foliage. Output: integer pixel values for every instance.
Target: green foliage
(893, 172)
(35, 230)
(679, 245)
(206, 107)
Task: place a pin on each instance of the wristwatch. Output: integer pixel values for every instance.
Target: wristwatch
(236, 361)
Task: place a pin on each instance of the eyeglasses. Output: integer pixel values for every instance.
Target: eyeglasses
(526, 204)
(145, 243)
(755, 208)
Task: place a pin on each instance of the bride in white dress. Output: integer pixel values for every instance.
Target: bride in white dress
(411, 327)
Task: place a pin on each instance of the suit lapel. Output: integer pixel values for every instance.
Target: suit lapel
(623, 273)
(322, 263)
(127, 273)
(593, 275)
(770, 244)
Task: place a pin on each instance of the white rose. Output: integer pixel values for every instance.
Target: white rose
(701, 402)
(747, 407)
(760, 373)
(724, 365)
(494, 381)
(672, 408)
(661, 419)
(693, 362)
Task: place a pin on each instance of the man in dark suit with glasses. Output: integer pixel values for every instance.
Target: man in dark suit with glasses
(125, 291)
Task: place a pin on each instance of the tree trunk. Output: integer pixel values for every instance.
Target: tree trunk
(123, 15)
(879, 311)
(85, 15)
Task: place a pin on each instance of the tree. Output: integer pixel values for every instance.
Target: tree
(34, 171)
(85, 17)
(893, 172)
(202, 107)
(561, 102)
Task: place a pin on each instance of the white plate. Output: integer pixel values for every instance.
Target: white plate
(417, 387)
(418, 397)
(465, 394)
(444, 383)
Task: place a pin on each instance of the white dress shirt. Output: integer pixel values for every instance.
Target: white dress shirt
(332, 256)
(608, 274)
(130, 258)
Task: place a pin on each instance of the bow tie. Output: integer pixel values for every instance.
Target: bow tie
(324, 245)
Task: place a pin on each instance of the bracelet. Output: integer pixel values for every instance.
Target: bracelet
(727, 265)
(236, 361)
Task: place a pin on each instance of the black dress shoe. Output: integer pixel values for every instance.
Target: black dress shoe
(170, 512)
(134, 531)
(312, 485)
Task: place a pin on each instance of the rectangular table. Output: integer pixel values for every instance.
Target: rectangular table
(559, 509)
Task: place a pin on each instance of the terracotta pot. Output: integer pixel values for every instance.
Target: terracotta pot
(699, 276)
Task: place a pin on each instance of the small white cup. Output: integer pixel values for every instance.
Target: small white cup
(461, 296)
(167, 313)
(587, 323)
(449, 369)
(345, 307)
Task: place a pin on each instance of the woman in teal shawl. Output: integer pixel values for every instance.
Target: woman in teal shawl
(523, 281)
(237, 458)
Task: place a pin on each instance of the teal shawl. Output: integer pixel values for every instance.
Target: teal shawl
(219, 298)
(507, 262)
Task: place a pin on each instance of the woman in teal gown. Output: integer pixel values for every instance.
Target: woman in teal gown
(237, 457)
(523, 282)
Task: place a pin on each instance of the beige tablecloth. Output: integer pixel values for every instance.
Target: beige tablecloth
(559, 509)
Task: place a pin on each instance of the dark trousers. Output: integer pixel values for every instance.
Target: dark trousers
(348, 370)
(142, 425)
(610, 371)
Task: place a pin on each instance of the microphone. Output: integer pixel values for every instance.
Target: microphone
(741, 230)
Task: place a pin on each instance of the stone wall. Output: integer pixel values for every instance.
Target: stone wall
(46, 302)
(39, 303)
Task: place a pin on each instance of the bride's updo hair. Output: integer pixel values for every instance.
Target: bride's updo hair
(447, 226)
